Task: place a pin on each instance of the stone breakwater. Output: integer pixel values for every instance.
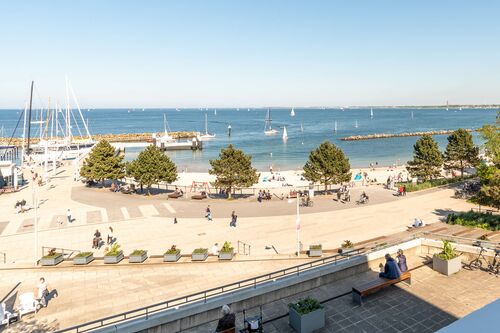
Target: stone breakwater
(398, 135)
(128, 137)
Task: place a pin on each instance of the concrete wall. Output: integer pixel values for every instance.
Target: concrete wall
(199, 313)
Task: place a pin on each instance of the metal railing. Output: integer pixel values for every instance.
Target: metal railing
(244, 248)
(67, 253)
(458, 239)
(145, 312)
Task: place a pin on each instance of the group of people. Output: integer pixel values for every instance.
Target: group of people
(96, 242)
(392, 269)
(344, 194)
(122, 188)
(363, 198)
(263, 195)
(402, 190)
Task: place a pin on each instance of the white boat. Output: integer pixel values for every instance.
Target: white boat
(292, 113)
(335, 127)
(371, 113)
(356, 124)
(412, 115)
(167, 142)
(285, 135)
(207, 136)
(301, 128)
(268, 130)
(215, 112)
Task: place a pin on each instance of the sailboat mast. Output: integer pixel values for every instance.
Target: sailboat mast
(206, 124)
(29, 117)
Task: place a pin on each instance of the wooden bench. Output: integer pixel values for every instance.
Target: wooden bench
(174, 195)
(365, 289)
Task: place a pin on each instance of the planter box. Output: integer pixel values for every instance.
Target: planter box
(346, 250)
(83, 260)
(138, 258)
(306, 323)
(226, 255)
(199, 256)
(446, 267)
(315, 252)
(52, 261)
(172, 257)
(113, 259)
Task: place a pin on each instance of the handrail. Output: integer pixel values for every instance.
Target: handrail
(203, 295)
(460, 239)
(245, 246)
(67, 253)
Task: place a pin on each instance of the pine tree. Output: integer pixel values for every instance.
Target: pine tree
(327, 164)
(233, 169)
(460, 152)
(103, 163)
(490, 174)
(427, 159)
(151, 167)
(491, 136)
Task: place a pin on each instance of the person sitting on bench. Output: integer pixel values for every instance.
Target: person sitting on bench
(227, 321)
(391, 269)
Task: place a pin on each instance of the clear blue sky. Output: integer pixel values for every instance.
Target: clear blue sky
(251, 53)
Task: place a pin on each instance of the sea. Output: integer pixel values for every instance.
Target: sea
(306, 130)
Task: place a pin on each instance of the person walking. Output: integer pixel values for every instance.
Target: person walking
(234, 219)
(110, 236)
(403, 267)
(42, 292)
(68, 214)
(208, 214)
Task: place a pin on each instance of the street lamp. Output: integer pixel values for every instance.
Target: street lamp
(297, 224)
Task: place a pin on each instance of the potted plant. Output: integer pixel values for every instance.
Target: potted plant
(199, 254)
(114, 255)
(315, 250)
(227, 252)
(52, 258)
(307, 315)
(447, 262)
(172, 255)
(346, 246)
(83, 258)
(138, 256)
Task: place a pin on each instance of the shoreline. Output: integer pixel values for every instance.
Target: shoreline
(400, 135)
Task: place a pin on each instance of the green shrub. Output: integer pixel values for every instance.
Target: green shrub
(200, 251)
(52, 254)
(173, 250)
(306, 305)
(84, 254)
(315, 247)
(114, 251)
(347, 244)
(227, 248)
(448, 252)
(138, 252)
(471, 219)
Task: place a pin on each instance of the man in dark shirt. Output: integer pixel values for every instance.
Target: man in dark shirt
(391, 270)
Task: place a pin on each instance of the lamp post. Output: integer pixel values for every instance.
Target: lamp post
(297, 224)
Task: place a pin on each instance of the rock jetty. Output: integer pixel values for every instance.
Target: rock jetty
(127, 137)
(398, 135)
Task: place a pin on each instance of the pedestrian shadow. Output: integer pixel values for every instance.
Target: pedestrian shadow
(51, 295)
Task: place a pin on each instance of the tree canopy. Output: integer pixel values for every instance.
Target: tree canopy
(460, 152)
(103, 163)
(491, 136)
(327, 165)
(427, 159)
(152, 166)
(233, 169)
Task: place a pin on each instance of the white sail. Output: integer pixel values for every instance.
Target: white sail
(268, 130)
(301, 128)
(285, 135)
(356, 124)
(371, 113)
(335, 127)
(207, 135)
(412, 115)
(215, 112)
(292, 113)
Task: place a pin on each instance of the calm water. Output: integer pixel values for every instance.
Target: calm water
(248, 126)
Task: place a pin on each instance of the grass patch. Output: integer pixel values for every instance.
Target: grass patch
(138, 252)
(200, 251)
(84, 254)
(411, 187)
(315, 247)
(485, 221)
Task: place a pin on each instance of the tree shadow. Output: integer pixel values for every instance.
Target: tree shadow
(443, 213)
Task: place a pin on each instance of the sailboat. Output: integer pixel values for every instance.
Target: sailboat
(301, 128)
(268, 130)
(167, 142)
(215, 112)
(335, 127)
(285, 135)
(412, 115)
(207, 136)
(292, 113)
(356, 124)
(371, 113)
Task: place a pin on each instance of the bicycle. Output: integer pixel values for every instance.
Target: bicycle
(493, 267)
